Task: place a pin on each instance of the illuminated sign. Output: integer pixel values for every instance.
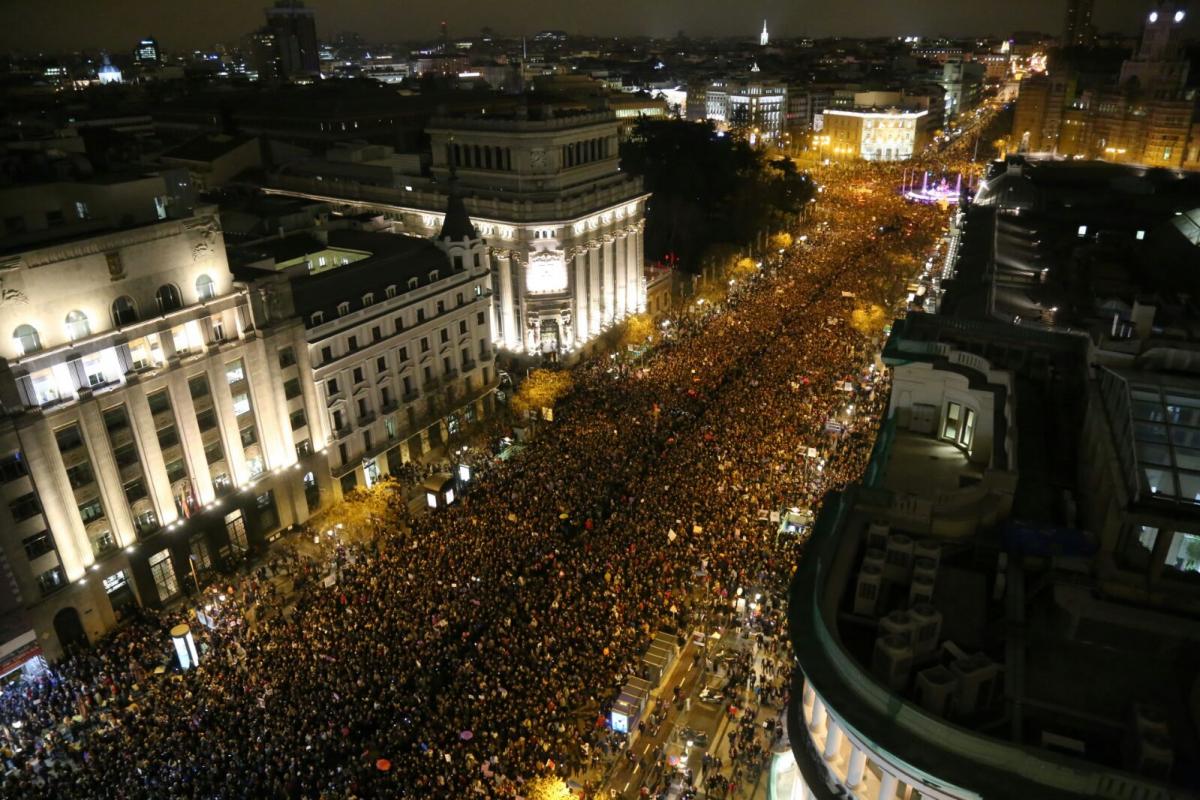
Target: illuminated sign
(546, 273)
(620, 722)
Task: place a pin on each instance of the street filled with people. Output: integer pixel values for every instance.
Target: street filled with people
(463, 652)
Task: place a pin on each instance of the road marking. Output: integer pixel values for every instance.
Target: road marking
(626, 789)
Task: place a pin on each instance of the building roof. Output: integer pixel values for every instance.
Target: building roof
(457, 225)
(207, 148)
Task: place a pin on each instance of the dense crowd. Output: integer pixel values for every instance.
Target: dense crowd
(474, 650)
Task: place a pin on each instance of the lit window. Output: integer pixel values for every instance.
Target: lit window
(77, 325)
(205, 288)
(27, 339)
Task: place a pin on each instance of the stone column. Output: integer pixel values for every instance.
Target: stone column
(581, 298)
(49, 475)
(508, 317)
(189, 435)
(887, 786)
(633, 272)
(817, 719)
(610, 283)
(108, 477)
(621, 270)
(231, 436)
(639, 250)
(833, 739)
(858, 764)
(594, 316)
(154, 472)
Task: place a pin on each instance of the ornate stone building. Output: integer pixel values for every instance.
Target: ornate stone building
(562, 223)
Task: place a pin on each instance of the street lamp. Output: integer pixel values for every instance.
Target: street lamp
(185, 646)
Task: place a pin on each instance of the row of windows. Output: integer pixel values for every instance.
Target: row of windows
(124, 312)
(479, 156)
(584, 152)
(352, 342)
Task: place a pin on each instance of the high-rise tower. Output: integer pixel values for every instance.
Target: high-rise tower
(1078, 30)
(764, 38)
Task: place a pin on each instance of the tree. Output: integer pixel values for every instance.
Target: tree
(542, 389)
(637, 330)
(869, 320)
(781, 241)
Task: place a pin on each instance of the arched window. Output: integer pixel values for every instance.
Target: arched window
(205, 288)
(168, 298)
(27, 339)
(123, 311)
(77, 325)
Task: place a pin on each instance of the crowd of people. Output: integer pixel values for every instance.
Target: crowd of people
(464, 653)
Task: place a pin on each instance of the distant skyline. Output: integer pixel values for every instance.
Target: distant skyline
(189, 24)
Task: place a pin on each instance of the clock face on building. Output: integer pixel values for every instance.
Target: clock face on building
(537, 158)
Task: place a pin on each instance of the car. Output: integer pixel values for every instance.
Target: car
(694, 737)
(710, 694)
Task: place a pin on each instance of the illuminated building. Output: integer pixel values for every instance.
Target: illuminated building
(147, 52)
(1078, 30)
(292, 29)
(108, 72)
(764, 38)
(882, 126)
(544, 189)
(398, 333)
(1144, 117)
(143, 413)
(756, 109)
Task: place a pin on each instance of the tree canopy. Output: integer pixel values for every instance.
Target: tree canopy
(708, 189)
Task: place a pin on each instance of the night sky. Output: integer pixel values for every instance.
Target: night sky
(187, 24)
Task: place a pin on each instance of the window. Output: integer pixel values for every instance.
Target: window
(412, 283)
(24, 507)
(398, 324)
(206, 419)
(52, 580)
(214, 453)
(462, 327)
(339, 421)
(125, 456)
(424, 344)
(458, 299)
(176, 471)
(343, 309)
(444, 335)
(80, 475)
(68, 438)
(256, 466)
(1183, 555)
(479, 318)
(358, 375)
(241, 403)
(326, 354)
(198, 387)
(167, 437)
(249, 435)
(403, 354)
(420, 315)
(168, 298)
(363, 409)
(303, 448)
(376, 334)
(234, 372)
(12, 467)
(287, 357)
(37, 545)
(441, 307)
(206, 289)
(291, 388)
(200, 555)
(27, 339)
(352, 343)
(77, 325)
(164, 574)
(447, 367)
(950, 428)
(123, 311)
(298, 419)
(159, 402)
(134, 491)
(368, 299)
(91, 510)
(115, 419)
(317, 318)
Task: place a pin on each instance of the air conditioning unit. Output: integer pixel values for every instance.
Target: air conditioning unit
(876, 557)
(897, 623)
(920, 590)
(935, 688)
(926, 628)
(877, 533)
(926, 567)
(977, 681)
(892, 661)
(899, 558)
(866, 594)
(927, 548)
